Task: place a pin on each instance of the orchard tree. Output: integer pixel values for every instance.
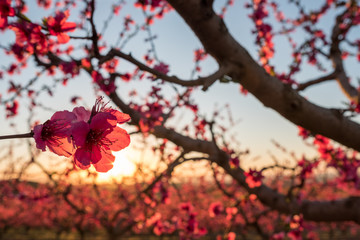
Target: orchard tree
(69, 41)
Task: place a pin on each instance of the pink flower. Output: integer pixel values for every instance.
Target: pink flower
(57, 26)
(29, 37)
(12, 109)
(82, 114)
(215, 209)
(44, 3)
(186, 207)
(306, 167)
(70, 68)
(231, 236)
(56, 134)
(303, 132)
(107, 85)
(88, 136)
(199, 55)
(101, 107)
(253, 178)
(5, 11)
(278, 236)
(96, 137)
(162, 67)
(234, 162)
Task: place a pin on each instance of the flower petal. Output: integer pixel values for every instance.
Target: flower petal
(103, 121)
(79, 132)
(63, 38)
(64, 115)
(106, 162)
(95, 154)
(68, 27)
(3, 22)
(81, 114)
(120, 117)
(40, 144)
(119, 139)
(82, 158)
(62, 147)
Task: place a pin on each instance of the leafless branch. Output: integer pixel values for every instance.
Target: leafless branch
(206, 82)
(329, 77)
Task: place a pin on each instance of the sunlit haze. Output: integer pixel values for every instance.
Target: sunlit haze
(122, 167)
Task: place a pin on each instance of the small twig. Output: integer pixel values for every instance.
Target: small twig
(218, 184)
(25, 135)
(277, 166)
(81, 38)
(309, 83)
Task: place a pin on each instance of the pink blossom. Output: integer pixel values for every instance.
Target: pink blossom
(253, 178)
(234, 162)
(106, 85)
(306, 167)
(278, 236)
(199, 55)
(29, 37)
(55, 134)
(12, 109)
(57, 26)
(162, 67)
(5, 11)
(303, 132)
(44, 3)
(215, 209)
(231, 236)
(97, 136)
(69, 68)
(81, 114)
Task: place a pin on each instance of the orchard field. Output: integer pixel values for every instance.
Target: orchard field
(195, 209)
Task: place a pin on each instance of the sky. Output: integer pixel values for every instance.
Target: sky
(175, 44)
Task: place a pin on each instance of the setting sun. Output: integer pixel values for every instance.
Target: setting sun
(122, 167)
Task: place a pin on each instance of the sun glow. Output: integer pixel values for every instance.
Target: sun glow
(122, 167)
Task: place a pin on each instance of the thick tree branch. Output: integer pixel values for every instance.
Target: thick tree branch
(347, 209)
(212, 32)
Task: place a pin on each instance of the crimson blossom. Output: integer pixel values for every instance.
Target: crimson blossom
(253, 178)
(5, 11)
(87, 136)
(97, 134)
(57, 26)
(56, 134)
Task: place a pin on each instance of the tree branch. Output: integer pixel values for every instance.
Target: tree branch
(303, 86)
(206, 82)
(347, 209)
(335, 55)
(94, 36)
(214, 35)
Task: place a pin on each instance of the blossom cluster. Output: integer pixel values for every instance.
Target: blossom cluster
(32, 37)
(87, 136)
(253, 178)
